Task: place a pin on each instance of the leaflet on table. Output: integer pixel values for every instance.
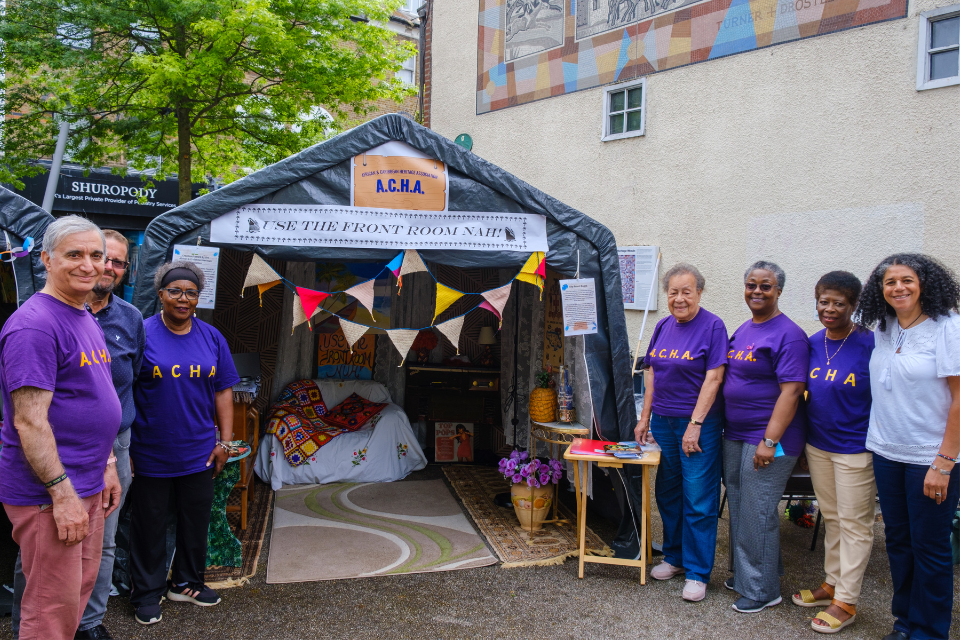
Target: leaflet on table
(628, 449)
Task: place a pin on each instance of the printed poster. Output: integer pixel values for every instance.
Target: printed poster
(453, 442)
(638, 275)
(208, 259)
(579, 300)
(394, 175)
(553, 322)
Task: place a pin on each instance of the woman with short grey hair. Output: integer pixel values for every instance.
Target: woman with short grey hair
(683, 412)
(765, 433)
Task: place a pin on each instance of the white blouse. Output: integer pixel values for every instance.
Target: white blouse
(911, 398)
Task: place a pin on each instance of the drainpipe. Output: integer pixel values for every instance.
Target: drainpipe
(54, 176)
(423, 12)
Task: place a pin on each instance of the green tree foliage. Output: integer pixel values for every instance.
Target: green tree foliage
(193, 88)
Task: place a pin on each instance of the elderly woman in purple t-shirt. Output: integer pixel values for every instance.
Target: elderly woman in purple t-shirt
(686, 358)
(766, 374)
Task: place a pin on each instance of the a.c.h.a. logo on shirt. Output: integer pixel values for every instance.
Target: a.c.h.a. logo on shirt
(177, 371)
(97, 356)
(831, 375)
(674, 353)
(742, 354)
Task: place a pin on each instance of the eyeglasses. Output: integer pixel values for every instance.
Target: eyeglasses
(192, 294)
(765, 287)
(117, 264)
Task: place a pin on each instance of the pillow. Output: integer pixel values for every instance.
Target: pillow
(352, 413)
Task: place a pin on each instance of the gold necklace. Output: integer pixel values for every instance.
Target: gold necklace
(829, 357)
(164, 320)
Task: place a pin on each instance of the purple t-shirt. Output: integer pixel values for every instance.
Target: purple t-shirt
(680, 357)
(762, 356)
(174, 431)
(50, 345)
(838, 412)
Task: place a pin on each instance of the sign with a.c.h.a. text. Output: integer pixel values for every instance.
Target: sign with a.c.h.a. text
(394, 175)
(364, 228)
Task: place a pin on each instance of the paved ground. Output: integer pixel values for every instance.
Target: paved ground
(542, 602)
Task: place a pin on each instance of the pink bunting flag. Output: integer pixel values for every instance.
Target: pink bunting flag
(363, 292)
(489, 307)
(310, 299)
(496, 300)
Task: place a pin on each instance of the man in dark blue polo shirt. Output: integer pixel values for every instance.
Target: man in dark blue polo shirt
(122, 326)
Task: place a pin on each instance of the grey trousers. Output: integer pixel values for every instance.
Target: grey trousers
(97, 605)
(753, 496)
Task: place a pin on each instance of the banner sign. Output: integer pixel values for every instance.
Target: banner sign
(397, 176)
(362, 228)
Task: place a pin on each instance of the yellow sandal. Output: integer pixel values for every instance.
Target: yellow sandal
(805, 597)
(834, 624)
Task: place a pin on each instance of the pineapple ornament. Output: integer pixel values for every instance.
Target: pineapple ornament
(543, 400)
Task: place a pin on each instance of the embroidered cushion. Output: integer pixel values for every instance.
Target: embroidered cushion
(352, 413)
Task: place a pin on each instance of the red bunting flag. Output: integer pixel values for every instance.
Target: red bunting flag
(310, 299)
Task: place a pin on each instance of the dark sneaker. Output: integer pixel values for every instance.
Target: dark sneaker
(202, 595)
(728, 583)
(98, 632)
(746, 605)
(149, 614)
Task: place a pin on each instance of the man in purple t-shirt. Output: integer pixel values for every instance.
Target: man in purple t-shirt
(57, 479)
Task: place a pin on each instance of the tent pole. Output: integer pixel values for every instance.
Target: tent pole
(54, 176)
(646, 311)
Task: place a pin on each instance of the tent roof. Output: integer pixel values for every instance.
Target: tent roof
(320, 175)
(20, 218)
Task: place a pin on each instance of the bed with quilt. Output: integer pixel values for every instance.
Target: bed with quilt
(322, 431)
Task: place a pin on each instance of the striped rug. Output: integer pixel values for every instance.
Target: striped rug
(349, 530)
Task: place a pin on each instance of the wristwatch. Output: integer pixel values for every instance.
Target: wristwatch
(695, 422)
(770, 443)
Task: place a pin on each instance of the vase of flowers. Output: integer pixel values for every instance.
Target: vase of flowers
(532, 490)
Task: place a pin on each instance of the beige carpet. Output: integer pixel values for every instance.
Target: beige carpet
(348, 530)
(515, 546)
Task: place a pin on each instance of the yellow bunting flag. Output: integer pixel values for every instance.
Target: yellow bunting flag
(259, 273)
(451, 329)
(445, 297)
(352, 332)
(402, 339)
(532, 270)
(264, 286)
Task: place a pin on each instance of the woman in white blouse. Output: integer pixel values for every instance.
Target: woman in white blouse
(914, 433)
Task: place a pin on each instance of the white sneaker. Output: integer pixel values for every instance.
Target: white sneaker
(694, 590)
(665, 571)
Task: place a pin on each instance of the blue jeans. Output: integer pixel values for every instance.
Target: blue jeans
(918, 544)
(688, 493)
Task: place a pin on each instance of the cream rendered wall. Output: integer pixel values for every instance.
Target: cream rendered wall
(818, 154)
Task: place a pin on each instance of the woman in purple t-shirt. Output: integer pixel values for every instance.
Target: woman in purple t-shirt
(686, 356)
(766, 373)
(841, 468)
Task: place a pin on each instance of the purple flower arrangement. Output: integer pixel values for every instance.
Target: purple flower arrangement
(520, 468)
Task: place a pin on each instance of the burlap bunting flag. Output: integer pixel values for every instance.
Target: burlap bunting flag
(452, 329)
(363, 292)
(298, 316)
(445, 297)
(259, 273)
(411, 264)
(352, 332)
(402, 339)
(310, 299)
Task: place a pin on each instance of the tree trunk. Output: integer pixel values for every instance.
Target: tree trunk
(183, 155)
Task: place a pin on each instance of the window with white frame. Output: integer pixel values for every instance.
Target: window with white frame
(408, 73)
(624, 110)
(411, 6)
(938, 49)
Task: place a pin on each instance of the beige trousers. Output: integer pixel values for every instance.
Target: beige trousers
(846, 492)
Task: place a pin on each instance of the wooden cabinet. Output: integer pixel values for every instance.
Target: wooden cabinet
(246, 426)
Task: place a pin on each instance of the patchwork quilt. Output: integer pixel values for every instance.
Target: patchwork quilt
(296, 422)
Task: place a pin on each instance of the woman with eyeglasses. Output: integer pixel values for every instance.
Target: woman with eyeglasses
(765, 433)
(914, 433)
(183, 391)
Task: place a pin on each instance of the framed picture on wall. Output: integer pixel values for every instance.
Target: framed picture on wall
(454, 442)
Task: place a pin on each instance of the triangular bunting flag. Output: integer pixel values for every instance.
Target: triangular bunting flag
(394, 265)
(496, 299)
(352, 332)
(489, 307)
(363, 292)
(259, 273)
(264, 286)
(542, 269)
(402, 339)
(411, 264)
(451, 329)
(298, 316)
(532, 265)
(310, 299)
(532, 278)
(445, 297)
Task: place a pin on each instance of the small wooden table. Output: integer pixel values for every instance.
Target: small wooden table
(556, 435)
(650, 458)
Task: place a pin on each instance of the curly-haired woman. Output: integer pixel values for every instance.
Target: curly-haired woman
(183, 387)
(914, 432)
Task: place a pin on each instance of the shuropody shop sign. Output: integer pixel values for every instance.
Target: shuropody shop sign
(358, 227)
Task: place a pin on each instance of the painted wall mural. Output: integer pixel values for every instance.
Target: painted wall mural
(534, 49)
